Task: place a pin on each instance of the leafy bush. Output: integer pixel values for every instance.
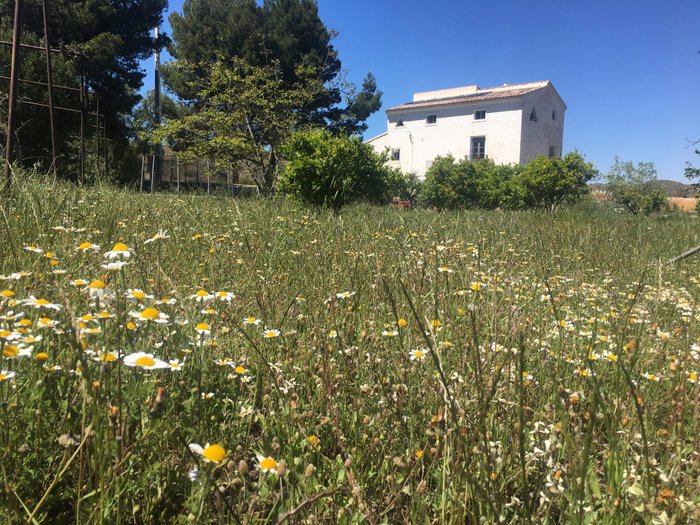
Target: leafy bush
(635, 187)
(543, 183)
(548, 182)
(326, 170)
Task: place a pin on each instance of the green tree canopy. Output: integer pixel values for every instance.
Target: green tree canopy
(636, 187)
(287, 32)
(142, 121)
(112, 36)
(246, 114)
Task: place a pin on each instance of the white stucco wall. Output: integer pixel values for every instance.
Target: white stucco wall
(537, 137)
(511, 137)
(419, 143)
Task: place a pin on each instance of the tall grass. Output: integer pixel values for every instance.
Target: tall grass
(430, 368)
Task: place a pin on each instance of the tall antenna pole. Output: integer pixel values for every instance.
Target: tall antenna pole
(159, 148)
(14, 69)
(49, 81)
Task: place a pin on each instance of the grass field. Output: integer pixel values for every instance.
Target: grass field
(206, 360)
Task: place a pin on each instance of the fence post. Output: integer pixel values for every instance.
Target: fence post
(143, 167)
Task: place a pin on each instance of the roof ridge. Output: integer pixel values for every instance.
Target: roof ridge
(482, 94)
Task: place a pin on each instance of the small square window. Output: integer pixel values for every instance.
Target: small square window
(431, 119)
(396, 154)
(480, 114)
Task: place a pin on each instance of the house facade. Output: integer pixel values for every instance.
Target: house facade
(508, 124)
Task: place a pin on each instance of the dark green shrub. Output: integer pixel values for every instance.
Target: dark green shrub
(546, 183)
(326, 170)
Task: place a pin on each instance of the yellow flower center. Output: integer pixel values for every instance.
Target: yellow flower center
(3, 376)
(42, 302)
(402, 323)
(97, 284)
(130, 326)
(150, 313)
(202, 326)
(239, 370)
(268, 464)
(24, 322)
(214, 453)
(109, 357)
(85, 246)
(138, 294)
(120, 247)
(7, 293)
(201, 293)
(41, 356)
(10, 351)
(418, 354)
(145, 361)
(5, 333)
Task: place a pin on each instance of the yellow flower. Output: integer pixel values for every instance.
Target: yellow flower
(418, 355)
(203, 328)
(7, 293)
(401, 323)
(120, 250)
(313, 440)
(6, 375)
(267, 464)
(145, 361)
(88, 247)
(210, 453)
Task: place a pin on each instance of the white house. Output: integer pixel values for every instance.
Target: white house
(508, 124)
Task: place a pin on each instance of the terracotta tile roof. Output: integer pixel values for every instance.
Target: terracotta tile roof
(505, 91)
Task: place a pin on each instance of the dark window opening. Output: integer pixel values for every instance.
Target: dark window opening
(533, 115)
(554, 114)
(396, 154)
(552, 151)
(431, 119)
(480, 114)
(399, 123)
(478, 149)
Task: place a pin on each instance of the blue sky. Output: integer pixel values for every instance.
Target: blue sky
(629, 71)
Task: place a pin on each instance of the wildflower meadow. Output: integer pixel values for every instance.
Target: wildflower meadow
(203, 359)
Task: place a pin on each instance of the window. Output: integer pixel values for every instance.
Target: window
(431, 119)
(478, 149)
(399, 123)
(552, 151)
(554, 114)
(533, 115)
(480, 114)
(395, 154)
